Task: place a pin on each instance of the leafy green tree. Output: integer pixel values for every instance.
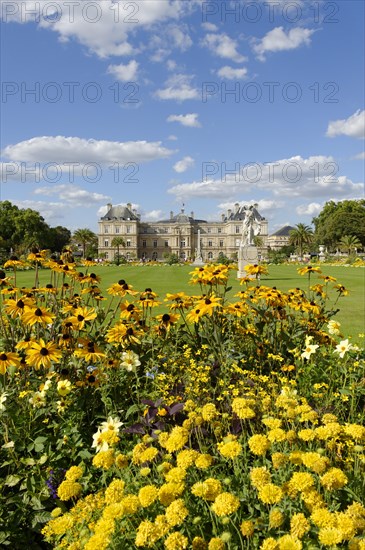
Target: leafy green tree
(117, 242)
(300, 237)
(340, 219)
(22, 229)
(349, 243)
(59, 237)
(86, 239)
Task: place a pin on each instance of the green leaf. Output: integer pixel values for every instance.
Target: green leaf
(12, 480)
(40, 517)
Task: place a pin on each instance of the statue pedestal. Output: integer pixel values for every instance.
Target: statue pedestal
(246, 255)
(198, 261)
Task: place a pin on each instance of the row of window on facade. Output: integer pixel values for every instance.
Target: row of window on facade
(166, 244)
(183, 256)
(128, 229)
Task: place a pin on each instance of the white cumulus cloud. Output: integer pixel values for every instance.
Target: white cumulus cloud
(353, 126)
(278, 40)
(184, 164)
(311, 209)
(61, 150)
(190, 119)
(72, 195)
(223, 46)
(124, 73)
(231, 73)
(178, 88)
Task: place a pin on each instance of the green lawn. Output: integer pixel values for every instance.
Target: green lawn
(175, 278)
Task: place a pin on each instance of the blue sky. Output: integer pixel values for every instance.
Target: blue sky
(171, 103)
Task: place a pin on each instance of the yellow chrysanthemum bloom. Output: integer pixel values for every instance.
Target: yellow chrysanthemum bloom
(276, 518)
(270, 493)
(176, 541)
(288, 542)
(199, 544)
(231, 449)
(216, 544)
(330, 536)
(247, 528)
(334, 479)
(169, 492)
(176, 512)
(121, 461)
(322, 517)
(259, 444)
(278, 460)
(178, 437)
(176, 475)
(186, 458)
(68, 490)
(316, 462)
(208, 489)
(147, 534)
(73, 473)
(148, 455)
(300, 481)
(241, 409)
(209, 412)
(269, 544)
(104, 459)
(204, 461)
(115, 491)
(276, 435)
(299, 525)
(147, 495)
(260, 476)
(225, 504)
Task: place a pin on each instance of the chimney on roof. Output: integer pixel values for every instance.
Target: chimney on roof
(229, 212)
(109, 206)
(129, 206)
(192, 214)
(236, 207)
(171, 215)
(223, 216)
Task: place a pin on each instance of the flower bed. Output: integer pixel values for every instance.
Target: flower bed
(213, 425)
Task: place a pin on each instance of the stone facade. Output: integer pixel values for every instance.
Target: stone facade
(176, 235)
(280, 238)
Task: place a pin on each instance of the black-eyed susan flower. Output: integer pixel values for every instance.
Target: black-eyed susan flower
(121, 288)
(15, 308)
(308, 270)
(14, 262)
(195, 315)
(90, 352)
(167, 319)
(129, 311)
(37, 315)
(81, 316)
(8, 359)
(43, 354)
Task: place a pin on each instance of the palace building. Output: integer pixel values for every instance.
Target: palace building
(179, 234)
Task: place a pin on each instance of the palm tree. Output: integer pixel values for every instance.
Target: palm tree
(85, 237)
(300, 236)
(349, 243)
(116, 243)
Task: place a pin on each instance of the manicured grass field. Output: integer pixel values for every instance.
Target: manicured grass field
(163, 279)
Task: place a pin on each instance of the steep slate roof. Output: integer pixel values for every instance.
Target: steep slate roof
(283, 232)
(181, 217)
(119, 212)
